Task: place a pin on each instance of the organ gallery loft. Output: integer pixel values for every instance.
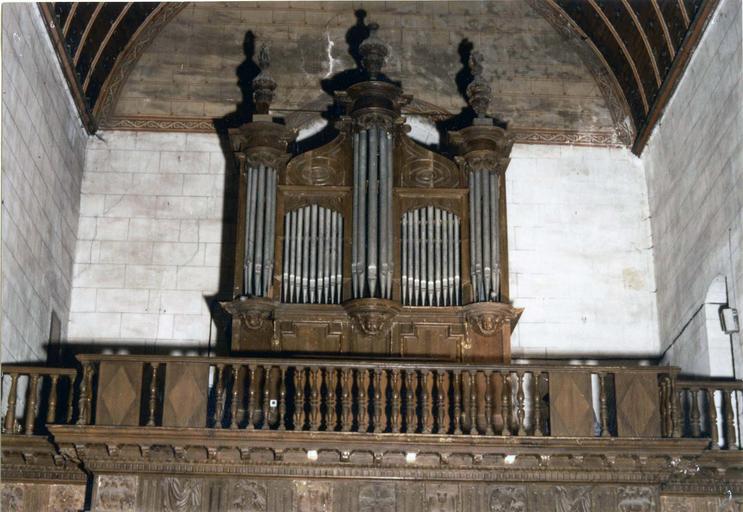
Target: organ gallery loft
(372, 257)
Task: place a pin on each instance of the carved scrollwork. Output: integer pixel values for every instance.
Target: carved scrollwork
(268, 157)
(378, 118)
(372, 318)
(422, 168)
(485, 161)
(487, 317)
(326, 165)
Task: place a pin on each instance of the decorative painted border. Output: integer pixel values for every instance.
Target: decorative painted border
(522, 135)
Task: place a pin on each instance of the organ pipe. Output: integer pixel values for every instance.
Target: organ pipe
(318, 232)
(430, 249)
(259, 230)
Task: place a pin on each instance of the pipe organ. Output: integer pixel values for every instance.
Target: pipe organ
(372, 244)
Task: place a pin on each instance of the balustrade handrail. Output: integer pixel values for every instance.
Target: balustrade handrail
(721, 383)
(350, 362)
(36, 370)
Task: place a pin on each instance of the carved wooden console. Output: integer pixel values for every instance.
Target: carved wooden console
(373, 244)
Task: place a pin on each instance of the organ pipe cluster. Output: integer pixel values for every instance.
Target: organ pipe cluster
(313, 256)
(430, 258)
(259, 230)
(484, 233)
(372, 203)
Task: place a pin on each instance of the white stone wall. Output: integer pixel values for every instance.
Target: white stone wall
(694, 168)
(151, 238)
(43, 152)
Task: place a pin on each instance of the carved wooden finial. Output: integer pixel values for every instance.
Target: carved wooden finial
(373, 52)
(263, 85)
(478, 91)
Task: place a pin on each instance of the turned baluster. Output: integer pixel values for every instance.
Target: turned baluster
(346, 399)
(378, 412)
(331, 385)
(233, 403)
(362, 384)
(282, 399)
(250, 413)
(411, 387)
(51, 413)
(665, 408)
(9, 421)
(314, 399)
(471, 378)
(219, 395)
(31, 404)
(83, 405)
(521, 406)
(712, 418)
(427, 402)
(488, 405)
(457, 402)
(676, 410)
(694, 414)
(604, 409)
(442, 402)
(70, 399)
(299, 383)
(729, 420)
(266, 397)
(506, 403)
(537, 403)
(153, 395)
(395, 418)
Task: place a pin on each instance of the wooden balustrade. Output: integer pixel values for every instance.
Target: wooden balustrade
(710, 409)
(46, 395)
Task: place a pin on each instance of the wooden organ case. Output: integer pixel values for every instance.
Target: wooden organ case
(372, 245)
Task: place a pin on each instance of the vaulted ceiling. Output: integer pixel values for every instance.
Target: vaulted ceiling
(642, 45)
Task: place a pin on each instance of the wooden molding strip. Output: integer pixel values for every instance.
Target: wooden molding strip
(678, 67)
(88, 27)
(664, 28)
(645, 40)
(103, 44)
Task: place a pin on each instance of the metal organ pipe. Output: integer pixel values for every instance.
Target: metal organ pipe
(260, 230)
(372, 228)
(484, 233)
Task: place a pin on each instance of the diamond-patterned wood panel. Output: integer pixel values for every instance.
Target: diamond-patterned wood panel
(186, 393)
(571, 412)
(637, 404)
(119, 393)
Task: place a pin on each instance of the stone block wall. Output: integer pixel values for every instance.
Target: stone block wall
(694, 168)
(152, 232)
(43, 153)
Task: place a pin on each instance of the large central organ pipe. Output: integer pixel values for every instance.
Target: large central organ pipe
(372, 228)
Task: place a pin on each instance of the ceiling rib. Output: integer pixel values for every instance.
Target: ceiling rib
(645, 41)
(664, 28)
(98, 53)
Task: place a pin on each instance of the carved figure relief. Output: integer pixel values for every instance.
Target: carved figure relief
(377, 498)
(572, 499)
(248, 496)
(508, 499)
(181, 494)
(116, 493)
(313, 496)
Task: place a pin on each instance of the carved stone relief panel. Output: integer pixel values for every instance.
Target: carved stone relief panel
(698, 504)
(560, 498)
(116, 493)
(442, 498)
(507, 499)
(247, 496)
(313, 496)
(66, 498)
(181, 494)
(377, 497)
(11, 497)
